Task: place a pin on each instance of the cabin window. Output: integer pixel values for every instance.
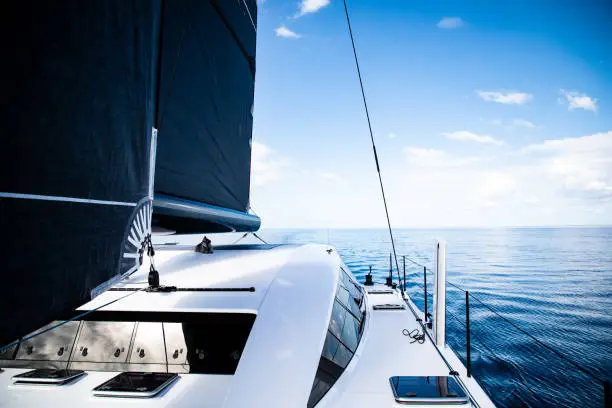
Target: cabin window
(343, 335)
(204, 343)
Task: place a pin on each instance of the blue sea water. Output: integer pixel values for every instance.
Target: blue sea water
(554, 283)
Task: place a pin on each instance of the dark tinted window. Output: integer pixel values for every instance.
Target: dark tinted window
(350, 332)
(353, 288)
(343, 336)
(206, 343)
(336, 322)
(330, 347)
(344, 297)
(342, 356)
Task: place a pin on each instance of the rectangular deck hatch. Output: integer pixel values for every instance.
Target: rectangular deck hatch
(427, 390)
(48, 376)
(389, 306)
(380, 292)
(135, 385)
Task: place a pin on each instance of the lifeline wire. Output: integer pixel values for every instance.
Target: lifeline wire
(525, 332)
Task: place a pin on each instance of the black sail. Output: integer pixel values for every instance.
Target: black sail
(85, 85)
(205, 108)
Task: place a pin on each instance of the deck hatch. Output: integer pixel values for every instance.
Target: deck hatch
(427, 390)
(380, 292)
(389, 306)
(48, 376)
(135, 385)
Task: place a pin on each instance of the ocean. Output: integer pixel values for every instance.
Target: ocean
(555, 284)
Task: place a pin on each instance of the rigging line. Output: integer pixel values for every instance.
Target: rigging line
(365, 105)
(246, 234)
(250, 208)
(259, 238)
(454, 316)
(55, 326)
(494, 354)
(240, 239)
(165, 346)
(167, 289)
(415, 263)
(541, 343)
(455, 286)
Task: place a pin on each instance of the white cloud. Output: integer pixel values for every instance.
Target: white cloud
(494, 185)
(392, 135)
(420, 155)
(523, 123)
(585, 144)
(582, 165)
(466, 136)
(311, 6)
(284, 32)
(451, 23)
(267, 166)
(424, 157)
(555, 182)
(508, 98)
(330, 178)
(576, 100)
(531, 200)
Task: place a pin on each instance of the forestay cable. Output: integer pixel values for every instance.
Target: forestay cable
(365, 105)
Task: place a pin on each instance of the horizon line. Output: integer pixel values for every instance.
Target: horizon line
(443, 227)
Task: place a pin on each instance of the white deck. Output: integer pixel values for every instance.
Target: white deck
(293, 299)
(385, 352)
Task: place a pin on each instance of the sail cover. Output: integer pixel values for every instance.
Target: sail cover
(87, 87)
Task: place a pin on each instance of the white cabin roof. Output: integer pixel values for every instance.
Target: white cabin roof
(184, 268)
(293, 298)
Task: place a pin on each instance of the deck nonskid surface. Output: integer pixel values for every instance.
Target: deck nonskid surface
(385, 352)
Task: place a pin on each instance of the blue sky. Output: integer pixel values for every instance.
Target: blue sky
(485, 113)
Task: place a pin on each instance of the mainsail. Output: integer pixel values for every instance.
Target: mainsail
(116, 113)
(205, 113)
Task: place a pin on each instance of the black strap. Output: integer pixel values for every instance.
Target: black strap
(176, 289)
